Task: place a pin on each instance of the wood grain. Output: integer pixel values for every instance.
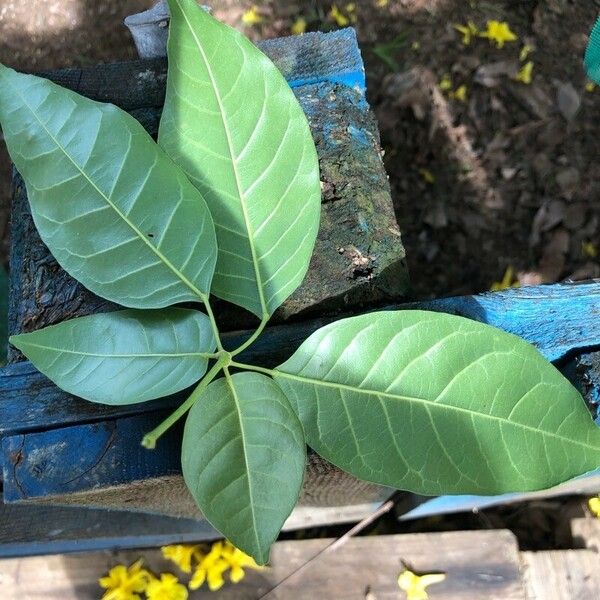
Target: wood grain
(478, 564)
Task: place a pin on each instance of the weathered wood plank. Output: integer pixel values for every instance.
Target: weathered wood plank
(586, 532)
(29, 401)
(561, 575)
(478, 564)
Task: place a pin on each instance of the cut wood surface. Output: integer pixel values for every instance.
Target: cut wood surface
(478, 565)
(561, 575)
(586, 534)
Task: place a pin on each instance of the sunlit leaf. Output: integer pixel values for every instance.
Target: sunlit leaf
(123, 357)
(438, 404)
(113, 209)
(234, 125)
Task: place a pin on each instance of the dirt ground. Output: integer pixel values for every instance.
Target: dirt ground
(508, 176)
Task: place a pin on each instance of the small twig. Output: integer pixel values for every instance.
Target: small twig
(382, 510)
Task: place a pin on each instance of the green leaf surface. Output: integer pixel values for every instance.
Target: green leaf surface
(123, 357)
(243, 459)
(438, 404)
(113, 209)
(234, 125)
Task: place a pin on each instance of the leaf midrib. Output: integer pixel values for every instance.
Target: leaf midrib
(234, 166)
(140, 235)
(230, 383)
(101, 355)
(429, 404)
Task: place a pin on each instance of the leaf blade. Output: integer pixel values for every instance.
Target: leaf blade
(243, 459)
(115, 212)
(256, 166)
(438, 404)
(123, 357)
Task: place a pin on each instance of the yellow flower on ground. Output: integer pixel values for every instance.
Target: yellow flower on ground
(526, 50)
(427, 176)
(590, 86)
(469, 31)
(589, 249)
(252, 16)
(339, 17)
(415, 585)
(125, 583)
(445, 83)
(382, 3)
(181, 555)
(210, 568)
(299, 26)
(460, 93)
(594, 504)
(238, 561)
(507, 281)
(499, 32)
(525, 73)
(166, 588)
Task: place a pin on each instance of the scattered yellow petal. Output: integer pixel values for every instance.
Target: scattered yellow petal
(415, 585)
(181, 555)
(166, 588)
(210, 569)
(589, 249)
(339, 17)
(382, 3)
(125, 583)
(299, 26)
(252, 16)
(594, 504)
(238, 561)
(427, 176)
(526, 50)
(499, 32)
(590, 86)
(525, 73)
(460, 93)
(445, 83)
(351, 10)
(468, 31)
(415, 45)
(507, 281)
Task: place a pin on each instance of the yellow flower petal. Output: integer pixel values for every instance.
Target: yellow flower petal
(181, 555)
(499, 32)
(526, 50)
(468, 31)
(125, 583)
(507, 281)
(445, 83)
(166, 588)
(339, 17)
(299, 26)
(589, 249)
(460, 93)
(525, 73)
(590, 86)
(382, 3)
(594, 504)
(427, 176)
(252, 16)
(414, 585)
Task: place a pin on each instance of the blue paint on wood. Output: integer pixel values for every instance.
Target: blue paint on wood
(85, 457)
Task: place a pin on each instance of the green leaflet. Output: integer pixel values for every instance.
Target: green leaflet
(243, 459)
(114, 210)
(233, 124)
(437, 404)
(123, 357)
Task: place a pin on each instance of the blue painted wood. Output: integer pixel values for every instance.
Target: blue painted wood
(68, 460)
(558, 318)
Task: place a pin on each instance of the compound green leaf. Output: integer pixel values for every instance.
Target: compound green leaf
(123, 357)
(113, 209)
(438, 404)
(243, 459)
(234, 125)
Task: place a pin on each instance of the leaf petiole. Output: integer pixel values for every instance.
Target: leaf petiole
(252, 338)
(150, 439)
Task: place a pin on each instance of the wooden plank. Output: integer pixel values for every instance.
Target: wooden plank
(586, 533)
(478, 564)
(29, 401)
(561, 575)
